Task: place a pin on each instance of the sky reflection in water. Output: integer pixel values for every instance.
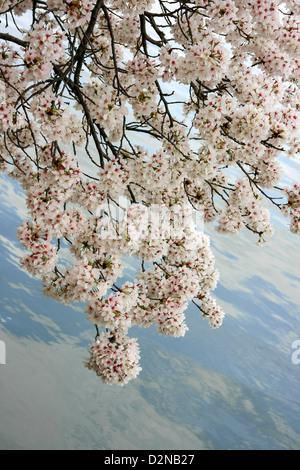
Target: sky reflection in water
(233, 388)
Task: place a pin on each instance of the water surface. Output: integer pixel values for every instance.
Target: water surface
(231, 388)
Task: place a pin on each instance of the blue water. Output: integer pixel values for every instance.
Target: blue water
(232, 388)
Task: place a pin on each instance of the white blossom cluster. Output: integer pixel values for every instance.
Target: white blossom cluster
(292, 208)
(115, 358)
(125, 121)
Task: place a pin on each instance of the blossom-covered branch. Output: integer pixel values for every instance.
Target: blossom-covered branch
(125, 121)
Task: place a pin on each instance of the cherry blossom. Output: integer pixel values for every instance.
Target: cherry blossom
(129, 125)
(115, 358)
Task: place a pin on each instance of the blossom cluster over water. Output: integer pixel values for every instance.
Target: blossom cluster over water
(121, 120)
